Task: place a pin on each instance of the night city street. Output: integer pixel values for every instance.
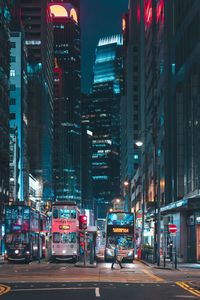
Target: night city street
(99, 149)
(135, 281)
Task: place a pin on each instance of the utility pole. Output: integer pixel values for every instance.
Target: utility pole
(158, 218)
(135, 202)
(84, 249)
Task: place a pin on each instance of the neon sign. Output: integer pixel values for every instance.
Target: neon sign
(123, 24)
(73, 14)
(58, 11)
(61, 11)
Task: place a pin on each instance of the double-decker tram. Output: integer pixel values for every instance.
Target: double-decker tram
(120, 230)
(65, 231)
(21, 233)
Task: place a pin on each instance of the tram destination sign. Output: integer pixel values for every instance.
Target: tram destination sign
(64, 227)
(120, 229)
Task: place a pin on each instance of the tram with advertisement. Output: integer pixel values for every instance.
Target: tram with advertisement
(65, 231)
(22, 227)
(120, 230)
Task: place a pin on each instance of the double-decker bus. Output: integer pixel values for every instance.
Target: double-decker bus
(120, 230)
(21, 233)
(65, 231)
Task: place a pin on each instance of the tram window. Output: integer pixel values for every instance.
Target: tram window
(55, 214)
(9, 238)
(64, 238)
(14, 213)
(73, 214)
(72, 237)
(26, 214)
(64, 214)
(56, 237)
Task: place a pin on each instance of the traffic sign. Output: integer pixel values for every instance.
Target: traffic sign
(172, 228)
(173, 234)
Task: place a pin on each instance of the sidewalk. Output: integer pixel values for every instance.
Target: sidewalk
(80, 264)
(170, 266)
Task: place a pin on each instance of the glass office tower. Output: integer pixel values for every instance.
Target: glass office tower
(67, 94)
(106, 90)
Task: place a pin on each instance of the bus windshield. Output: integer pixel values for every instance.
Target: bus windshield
(125, 242)
(14, 238)
(120, 219)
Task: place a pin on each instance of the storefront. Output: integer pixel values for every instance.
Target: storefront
(185, 215)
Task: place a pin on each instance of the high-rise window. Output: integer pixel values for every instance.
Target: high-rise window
(12, 73)
(12, 101)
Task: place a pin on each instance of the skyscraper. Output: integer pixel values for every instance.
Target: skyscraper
(5, 18)
(18, 115)
(38, 29)
(67, 94)
(106, 90)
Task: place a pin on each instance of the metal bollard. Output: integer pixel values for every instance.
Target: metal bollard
(175, 261)
(164, 259)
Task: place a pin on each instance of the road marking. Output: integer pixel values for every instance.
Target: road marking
(185, 286)
(97, 292)
(184, 296)
(153, 276)
(52, 289)
(4, 289)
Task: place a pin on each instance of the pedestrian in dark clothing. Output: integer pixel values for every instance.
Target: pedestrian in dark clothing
(115, 258)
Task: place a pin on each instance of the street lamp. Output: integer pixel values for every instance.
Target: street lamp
(156, 200)
(126, 184)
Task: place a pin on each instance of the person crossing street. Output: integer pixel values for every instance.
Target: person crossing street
(115, 259)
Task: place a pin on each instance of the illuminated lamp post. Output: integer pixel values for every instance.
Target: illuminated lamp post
(156, 256)
(126, 184)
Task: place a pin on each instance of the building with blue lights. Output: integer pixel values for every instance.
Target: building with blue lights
(38, 27)
(19, 166)
(5, 18)
(67, 98)
(107, 87)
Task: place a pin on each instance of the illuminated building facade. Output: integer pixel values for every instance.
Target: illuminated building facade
(67, 94)
(131, 98)
(169, 167)
(107, 87)
(19, 166)
(38, 27)
(5, 17)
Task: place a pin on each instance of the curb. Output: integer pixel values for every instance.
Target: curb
(81, 265)
(156, 267)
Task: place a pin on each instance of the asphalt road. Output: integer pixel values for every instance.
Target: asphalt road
(135, 281)
(108, 291)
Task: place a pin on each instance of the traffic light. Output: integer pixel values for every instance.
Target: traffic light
(83, 222)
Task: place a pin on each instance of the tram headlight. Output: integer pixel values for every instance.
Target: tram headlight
(109, 252)
(16, 251)
(27, 252)
(64, 251)
(130, 253)
(43, 247)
